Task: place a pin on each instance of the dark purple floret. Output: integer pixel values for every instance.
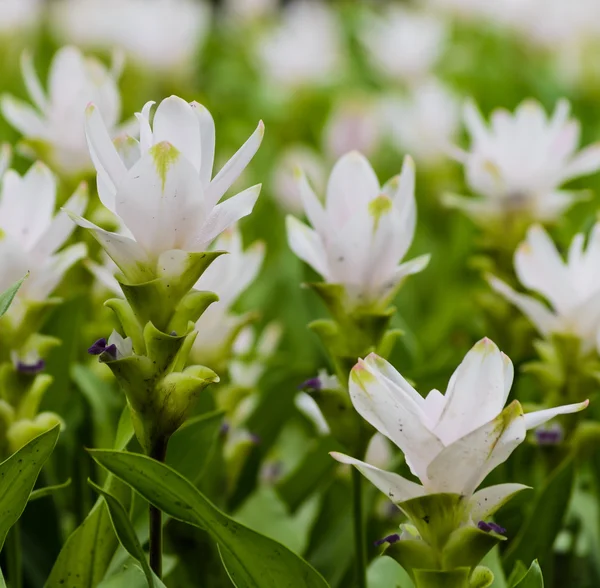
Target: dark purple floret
(310, 384)
(31, 368)
(389, 539)
(489, 527)
(224, 428)
(550, 436)
(100, 347)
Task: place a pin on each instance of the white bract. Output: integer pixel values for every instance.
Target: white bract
(571, 288)
(31, 235)
(518, 163)
(53, 127)
(162, 36)
(162, 188)
(363, 231)
(451, 441)
(404, 44)
(228, 276)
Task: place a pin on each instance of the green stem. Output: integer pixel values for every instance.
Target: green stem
(360, 551)
(159, 453)
(13, 557)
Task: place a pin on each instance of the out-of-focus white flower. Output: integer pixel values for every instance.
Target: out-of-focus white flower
(363, 231)
(424, 122)
(161, 188)
(54, 128)
(571, 288)
(352, 126)
(508, 13)
(31, 235)
(403, 44)
(305, 48)
(162, 35)
(17, 16)
(451, 442)
(284, 183)
(519, 162)
(228, 276)
(249, 10)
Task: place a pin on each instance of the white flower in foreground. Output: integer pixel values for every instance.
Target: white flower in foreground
(571, 288)
(404, 44)
(305, 48)
(363, 231)
(161, 188)
(31, 235)
(424, 122)
(451, 441)
(228, 276)
(53, 128)
(162, 35)
(518, 163)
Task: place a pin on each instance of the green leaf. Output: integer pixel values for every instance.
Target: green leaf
(7, 296)
(492, 561)
(48, 490)
(18, 475)
(251, 560)
(384, 572)
(124, 530)
(132, 576)
(2, 580)
(481, 577)
(458, 578)
(533, 578)
(537, 535)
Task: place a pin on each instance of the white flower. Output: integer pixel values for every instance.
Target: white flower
(362, 232)
(228, 276)
(31, 235)
(161, 36)
(424, 122)
(404, 44)
(451, 442)
(571, 288)
(161, 188)
(519, 162)
(54, 127)
(249, 10)
(305, 48)
(17, 16)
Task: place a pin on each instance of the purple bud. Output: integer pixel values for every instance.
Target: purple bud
(224, 428)
(489, 527)
(31, 368)
(389, 539)
(549, 436)
(311, 384)
(100, 347)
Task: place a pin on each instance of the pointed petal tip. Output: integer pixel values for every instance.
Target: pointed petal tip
(90, 108)
(340, 457)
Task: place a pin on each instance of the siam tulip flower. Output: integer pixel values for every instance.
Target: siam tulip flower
(518, 163)
(361, 233)
(161, 188)
(451, 441)
(571, 288)
(31, 235)
(404, 44)
(228, 277)
(54, 128)
(424, 122)
(162, 36)
(305, 49)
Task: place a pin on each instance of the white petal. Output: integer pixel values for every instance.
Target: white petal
(541, 317)
(307, 245)
(475, 393)
(312, 205)
(539, 417)
(433, 406)
(394, 486)
(230, 172)
(105, 275)
(124, 345)
(478, 209)
(586, 162)
(32, 82)
(408, 268)
(486, 502)
(307, 405)
(146, 140)
(128, 149)
(23, 117)
(207, 142)
(474, 122)
(67, 75)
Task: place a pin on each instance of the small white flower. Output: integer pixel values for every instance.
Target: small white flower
(53, 129)
(451, 442)
(404, 44)
(305, 48)
(424, 122)
(519, 162)
(571, 288)
(162, 36)
(363, 231)
(228, 276)
(17, 16)
(161, 188)
(31, 235)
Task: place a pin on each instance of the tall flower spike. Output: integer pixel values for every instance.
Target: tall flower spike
(572, 288)
(53, 127)
(517, 164)
(162, 187)
(362, 233)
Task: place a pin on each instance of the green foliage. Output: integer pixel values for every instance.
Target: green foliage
(7, 296)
